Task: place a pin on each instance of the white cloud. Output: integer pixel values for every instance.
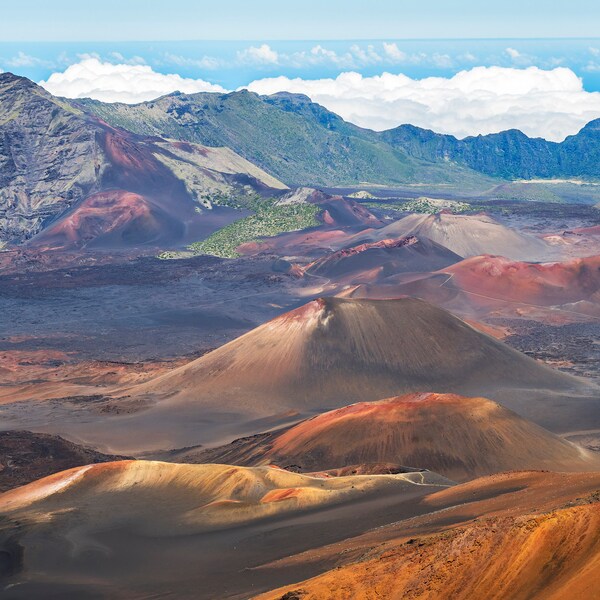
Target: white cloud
(443, 61)
(206, 62)
(468, 57)
(513, 53)
(319, 55)
(393, 52)
(25, 60)
(544, 103)
(262, 54)
(91, 78)
(134, 60)
(365, 56)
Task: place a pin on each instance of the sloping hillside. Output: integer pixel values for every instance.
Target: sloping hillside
(87, 182)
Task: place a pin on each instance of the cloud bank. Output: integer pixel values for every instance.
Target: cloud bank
(130, 83)
(542, 103)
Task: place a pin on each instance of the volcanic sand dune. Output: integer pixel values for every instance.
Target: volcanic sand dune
(466, 235)
(458, 437)
(140, 528)
(137, 528)
(376, 260)
(169, 498)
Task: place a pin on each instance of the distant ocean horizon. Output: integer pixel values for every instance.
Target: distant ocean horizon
(232, 64)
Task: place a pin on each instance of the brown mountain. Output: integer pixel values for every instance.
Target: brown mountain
(375, 261)
(323, 355)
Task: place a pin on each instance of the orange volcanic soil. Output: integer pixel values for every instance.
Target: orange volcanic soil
(514, 535)
(458, 437)
(552, 556)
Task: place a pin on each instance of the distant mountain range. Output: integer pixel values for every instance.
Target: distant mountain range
(287, 135)
(508, 154)
(301, 142)
(151, 168)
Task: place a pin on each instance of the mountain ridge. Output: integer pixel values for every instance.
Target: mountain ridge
(506, 154)
(296, 140)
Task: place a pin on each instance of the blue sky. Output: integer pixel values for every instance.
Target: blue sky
(237, 63)
(109, 20)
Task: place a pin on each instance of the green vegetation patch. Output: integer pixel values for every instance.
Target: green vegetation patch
(423, 205)
(269, 220)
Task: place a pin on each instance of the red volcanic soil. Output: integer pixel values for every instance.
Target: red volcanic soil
(545, 284)
(558, 292)
(594, 230)
(458, 437)
(112, 219)
(47, 374)
(373, 261)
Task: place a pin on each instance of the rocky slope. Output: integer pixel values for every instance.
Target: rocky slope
(53, 157)
(544, 556)
(26, 456)
(333, 151)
